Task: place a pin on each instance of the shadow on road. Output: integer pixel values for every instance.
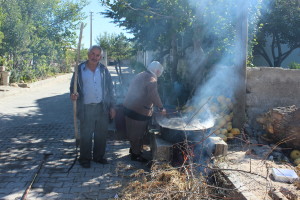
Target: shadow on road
(48, 127)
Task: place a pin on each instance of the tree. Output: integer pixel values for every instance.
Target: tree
(155, 24)
(1, 22)
(209, 27)
(38, 32)
(118, 48)
(280, 23)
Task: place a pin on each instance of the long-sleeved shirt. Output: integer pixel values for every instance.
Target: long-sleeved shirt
(143, 94)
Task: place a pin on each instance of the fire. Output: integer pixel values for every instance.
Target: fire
(187, 153)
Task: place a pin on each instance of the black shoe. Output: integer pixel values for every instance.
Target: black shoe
(86, 164)
(138, 158)
(101, 161)
(130, 151)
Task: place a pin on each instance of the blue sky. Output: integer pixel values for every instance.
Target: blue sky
(100, 24)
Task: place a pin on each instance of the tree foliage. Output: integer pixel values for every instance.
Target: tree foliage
(172, 27)
(280, 23)
(37, 33)
(118, 47)
(2, 16)
(150, 21)
(155, 24)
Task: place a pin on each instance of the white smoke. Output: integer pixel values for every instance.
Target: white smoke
(224, 19)
(224, 77)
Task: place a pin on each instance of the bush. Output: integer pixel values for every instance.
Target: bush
(15, 76)
(294, 65)
(29, 74)
(33, 73)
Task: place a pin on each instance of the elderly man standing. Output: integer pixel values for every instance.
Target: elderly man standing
(138, 106)
(95, 103)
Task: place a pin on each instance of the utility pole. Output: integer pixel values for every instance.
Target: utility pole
(239, 110)
(91, 30)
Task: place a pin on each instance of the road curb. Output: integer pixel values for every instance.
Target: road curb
(11, 90)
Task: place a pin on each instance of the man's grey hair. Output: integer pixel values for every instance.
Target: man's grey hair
(95, 47)
(155, 65)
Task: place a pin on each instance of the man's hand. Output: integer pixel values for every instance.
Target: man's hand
(74, 97)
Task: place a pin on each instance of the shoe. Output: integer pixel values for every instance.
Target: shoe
(101, 161)
(85, 164)
(138, 158)
(130, 151)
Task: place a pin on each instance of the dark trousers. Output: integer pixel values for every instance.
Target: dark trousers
(136, 131)
(94, 123)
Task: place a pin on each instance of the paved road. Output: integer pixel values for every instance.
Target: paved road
(38, 121)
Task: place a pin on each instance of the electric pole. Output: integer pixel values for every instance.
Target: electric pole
(91, 30)
(239, 110)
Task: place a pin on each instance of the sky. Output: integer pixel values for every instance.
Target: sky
(100, 24)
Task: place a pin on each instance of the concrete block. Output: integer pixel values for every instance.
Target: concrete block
(215, 146)
(4, 78)
(161, 149)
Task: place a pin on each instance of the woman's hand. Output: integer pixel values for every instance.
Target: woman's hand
(163, 111)
(112, 113)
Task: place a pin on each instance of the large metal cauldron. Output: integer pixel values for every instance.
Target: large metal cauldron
(179, 136)
(175, 127)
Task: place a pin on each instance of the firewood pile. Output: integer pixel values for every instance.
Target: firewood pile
(167, 182)
(164, 182)
(282, 125)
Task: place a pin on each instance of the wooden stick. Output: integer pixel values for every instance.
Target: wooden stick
(24, 197)
(75, 102)
(75, 86)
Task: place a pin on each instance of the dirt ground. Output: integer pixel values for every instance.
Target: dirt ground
(249, 168)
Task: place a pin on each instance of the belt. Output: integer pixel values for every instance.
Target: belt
(136, 116)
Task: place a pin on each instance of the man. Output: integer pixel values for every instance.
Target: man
(95, 104)
(138, 106)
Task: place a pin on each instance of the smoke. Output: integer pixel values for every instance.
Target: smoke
(219, 52)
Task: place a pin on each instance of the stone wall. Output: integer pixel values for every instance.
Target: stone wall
(269, 87)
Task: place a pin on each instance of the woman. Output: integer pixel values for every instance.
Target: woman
(138, 104)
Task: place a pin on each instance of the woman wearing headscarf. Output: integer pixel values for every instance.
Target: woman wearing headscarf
(138, 105)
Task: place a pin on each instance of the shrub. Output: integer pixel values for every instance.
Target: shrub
(294, 65)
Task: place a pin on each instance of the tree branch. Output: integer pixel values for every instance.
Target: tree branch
(278, 60)
(273, 49)
(147, 10)
(287, 53)
(264, 54)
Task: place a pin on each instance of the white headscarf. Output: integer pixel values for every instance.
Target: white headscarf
(155, 65)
